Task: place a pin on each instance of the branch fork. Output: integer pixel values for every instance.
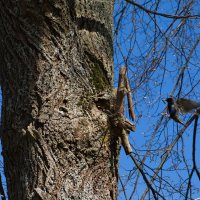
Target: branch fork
(124, 125)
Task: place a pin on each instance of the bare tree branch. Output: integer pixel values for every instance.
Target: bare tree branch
(168, 151)
(163, 14)
(180, 77)
(194, 147)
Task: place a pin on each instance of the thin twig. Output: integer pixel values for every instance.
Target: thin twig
(194, 147)
(123, 188)
(163, 14)
(185, 66)
(168, 151)
(154, 192)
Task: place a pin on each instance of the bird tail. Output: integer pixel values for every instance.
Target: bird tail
(178, 120)
(197, 111)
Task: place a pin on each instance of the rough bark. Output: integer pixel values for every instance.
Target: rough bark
(56, 58)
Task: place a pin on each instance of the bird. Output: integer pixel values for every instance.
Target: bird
(173, 110)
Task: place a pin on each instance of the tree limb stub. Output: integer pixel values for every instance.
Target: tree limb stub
(125, 142)
(124, 125)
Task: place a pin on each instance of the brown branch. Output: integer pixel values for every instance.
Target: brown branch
(127, 125)
(123, 124)
(130, 102)
(163, 14)
(125, 142)
(121, 91)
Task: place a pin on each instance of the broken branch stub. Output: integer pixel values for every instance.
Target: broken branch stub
(124, 126)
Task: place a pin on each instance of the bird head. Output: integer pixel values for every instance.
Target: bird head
(169, 100)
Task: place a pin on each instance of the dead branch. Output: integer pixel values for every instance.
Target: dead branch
(124, 125)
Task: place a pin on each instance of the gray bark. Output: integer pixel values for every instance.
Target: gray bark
(56, 59)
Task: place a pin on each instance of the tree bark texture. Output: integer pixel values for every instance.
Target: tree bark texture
(55, 59)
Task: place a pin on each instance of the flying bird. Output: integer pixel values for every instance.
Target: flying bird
(173, 110)
(181, 105)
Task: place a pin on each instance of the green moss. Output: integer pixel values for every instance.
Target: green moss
(98, 73)
(98, 78)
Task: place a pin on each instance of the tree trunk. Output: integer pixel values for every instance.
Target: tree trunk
(56, 60)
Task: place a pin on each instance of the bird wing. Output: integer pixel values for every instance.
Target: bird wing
(186, 105)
